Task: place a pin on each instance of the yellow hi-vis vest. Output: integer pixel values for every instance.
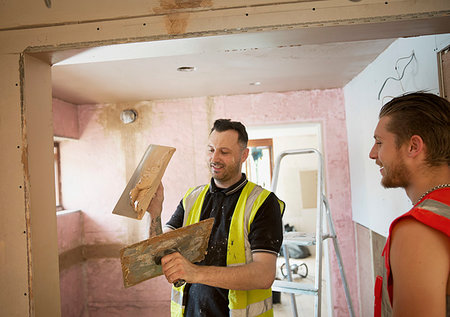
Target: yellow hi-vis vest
(251, 303)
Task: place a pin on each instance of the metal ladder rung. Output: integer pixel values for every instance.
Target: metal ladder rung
(299, 238)
(294, 288)
(303, 238)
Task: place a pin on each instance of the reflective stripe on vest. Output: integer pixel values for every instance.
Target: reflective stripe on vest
(260, 309)
(176, 303)
(193, 200)
(254, 302)
(241, 303)
(436, 207)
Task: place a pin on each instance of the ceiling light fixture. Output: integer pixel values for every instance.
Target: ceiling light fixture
(186, 69)
(128, 116)
(255, 83)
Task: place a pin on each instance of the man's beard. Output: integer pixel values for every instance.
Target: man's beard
(397, 175)
(228, 172)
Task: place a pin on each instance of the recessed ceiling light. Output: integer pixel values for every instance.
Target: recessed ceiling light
(186, 69)
(255, 83)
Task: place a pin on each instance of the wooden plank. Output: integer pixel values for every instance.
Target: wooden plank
(331, 21)
(39, 189)
(139, 259)
(14, 290)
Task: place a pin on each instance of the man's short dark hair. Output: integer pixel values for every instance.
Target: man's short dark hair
(221, 125)
(423, 114)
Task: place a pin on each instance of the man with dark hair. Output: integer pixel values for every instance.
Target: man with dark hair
(235, 277)
(221, 125)
(412, 147)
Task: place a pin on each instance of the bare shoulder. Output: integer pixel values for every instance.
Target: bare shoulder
(420, 263)
(412, 232)
(412, 239)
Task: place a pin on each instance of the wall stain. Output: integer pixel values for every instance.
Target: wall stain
(83, 253)
(210, 104)
(109, 119)
(176, 23)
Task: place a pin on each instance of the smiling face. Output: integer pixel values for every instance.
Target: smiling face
(389, 157)
(225, 157)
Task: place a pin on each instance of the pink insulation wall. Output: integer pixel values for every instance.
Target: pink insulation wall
(65, 119)
(95, 170)
(70, 227)
(72, 279)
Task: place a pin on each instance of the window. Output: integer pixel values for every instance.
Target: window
(259, 164)
(57, 167)
(444, 72)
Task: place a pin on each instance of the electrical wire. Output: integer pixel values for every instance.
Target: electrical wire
(411, 57)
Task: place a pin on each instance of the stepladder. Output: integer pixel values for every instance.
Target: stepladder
(324, 230)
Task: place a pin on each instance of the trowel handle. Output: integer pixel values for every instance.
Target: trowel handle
(179, 283)
(158, 258)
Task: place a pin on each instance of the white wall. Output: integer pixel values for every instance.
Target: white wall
(373, 206)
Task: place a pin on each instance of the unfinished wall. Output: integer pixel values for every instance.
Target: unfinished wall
(95, 169)
(374, 206)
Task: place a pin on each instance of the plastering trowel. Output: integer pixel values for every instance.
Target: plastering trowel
(142, 261)
(144, 182)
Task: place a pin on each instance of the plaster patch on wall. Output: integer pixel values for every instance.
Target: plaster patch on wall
(109, 118)
(210, 105)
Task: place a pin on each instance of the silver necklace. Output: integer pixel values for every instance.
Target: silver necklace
(432, 189)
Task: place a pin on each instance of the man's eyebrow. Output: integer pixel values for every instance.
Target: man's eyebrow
(377, 137)
(219, 148)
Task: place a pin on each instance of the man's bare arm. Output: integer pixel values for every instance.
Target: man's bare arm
(155, 210)
(258, 274)
(420, 262)
(155, 226)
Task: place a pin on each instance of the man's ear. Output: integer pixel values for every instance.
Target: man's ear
(244, 155)
(415, 146)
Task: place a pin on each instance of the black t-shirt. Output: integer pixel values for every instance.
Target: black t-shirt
(265, 235)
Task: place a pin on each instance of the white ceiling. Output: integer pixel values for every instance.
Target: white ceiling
(225, 65)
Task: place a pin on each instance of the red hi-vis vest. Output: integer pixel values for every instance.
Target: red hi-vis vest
(434, 211)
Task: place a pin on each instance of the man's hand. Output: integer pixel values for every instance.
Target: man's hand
(258, 274)
(155, 207)
(177, 267)
(155, 210)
